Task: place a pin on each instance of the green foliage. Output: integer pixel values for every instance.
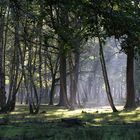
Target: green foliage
(66, 22)
(114, 18)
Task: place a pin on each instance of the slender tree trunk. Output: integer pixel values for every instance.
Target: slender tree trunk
(34, 103)
(52, 90)
(130, 97)
(76, 73)
(2, 84)
(40, 26)
(14, 83)
(105, 75)
(45, 79)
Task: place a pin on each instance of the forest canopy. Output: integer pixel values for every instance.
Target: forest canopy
(70, 53)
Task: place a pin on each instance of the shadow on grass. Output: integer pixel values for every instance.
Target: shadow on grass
(123, 125)
(56, 130)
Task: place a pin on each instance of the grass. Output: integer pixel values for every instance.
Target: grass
(100, 124)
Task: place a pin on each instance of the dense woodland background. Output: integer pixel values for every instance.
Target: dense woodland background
(71, 53)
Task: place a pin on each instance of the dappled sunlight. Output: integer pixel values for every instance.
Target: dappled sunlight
(94, 120)
(69, 70)
(15, 113)
(91, 116)
(63, 113)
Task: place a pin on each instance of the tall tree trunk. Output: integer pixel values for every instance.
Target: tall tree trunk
(2, 84)
(14, 83)
(40, 26)
(130, 97)
(34, 101)
(105, 75)
(52, 90)
(74, 69)
(45, 79)
(63, 101)
(53, 69)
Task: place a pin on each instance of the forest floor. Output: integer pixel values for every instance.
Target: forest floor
(55, 123)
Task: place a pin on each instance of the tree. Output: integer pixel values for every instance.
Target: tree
(96, 30)
(2, 75)
(122, 22)
(53, 68)
(67, 26)
(14, 76)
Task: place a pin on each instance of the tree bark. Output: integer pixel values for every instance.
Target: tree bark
(53, 69)
(2, 76)
(63, 100)
(130, 96)
(52, 90)
(14, 71)
(74, 69)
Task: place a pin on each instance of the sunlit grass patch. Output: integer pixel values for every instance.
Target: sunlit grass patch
(97, 122)
(96, 115)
